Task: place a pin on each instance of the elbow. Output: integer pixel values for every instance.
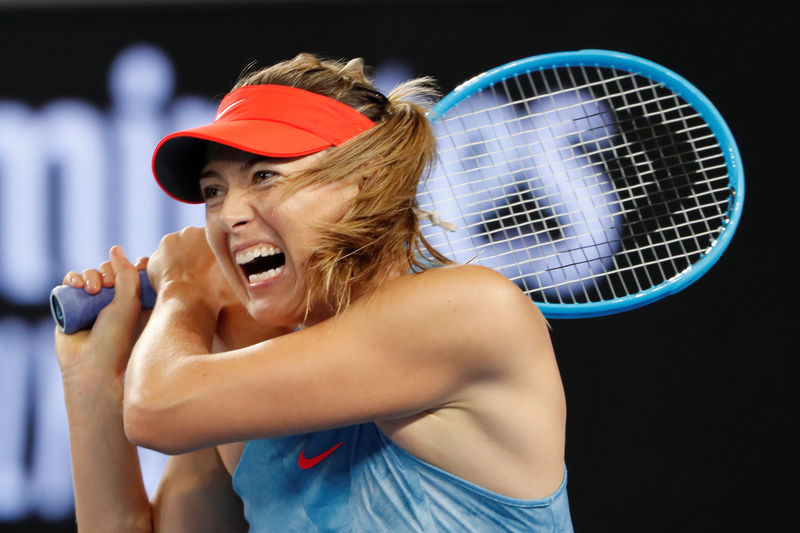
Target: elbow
(137, 424)
(148, 426)
(152, 411)
(141, 425)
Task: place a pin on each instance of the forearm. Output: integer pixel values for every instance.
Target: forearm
(182, 325)
(109, 491)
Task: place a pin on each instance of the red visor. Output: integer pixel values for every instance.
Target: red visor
(268, 120)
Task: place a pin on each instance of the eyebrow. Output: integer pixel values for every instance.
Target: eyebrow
(246, 165)
(257, 159)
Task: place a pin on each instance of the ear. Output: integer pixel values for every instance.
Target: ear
(360, 176)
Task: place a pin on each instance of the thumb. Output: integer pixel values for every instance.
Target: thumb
(124, 308)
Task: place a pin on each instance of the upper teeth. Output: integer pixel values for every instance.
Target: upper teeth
(259, 250)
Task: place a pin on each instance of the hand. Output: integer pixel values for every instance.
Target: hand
(185, 256)
(92, 280)
(107, 345)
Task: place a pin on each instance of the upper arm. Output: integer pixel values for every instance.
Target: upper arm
(195, 494)
(417, 344)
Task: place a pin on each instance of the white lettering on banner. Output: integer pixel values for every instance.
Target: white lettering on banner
(24, 203)
(75, 147)
(140, 83)
(50, 477)
(76, 181)
(15, 366)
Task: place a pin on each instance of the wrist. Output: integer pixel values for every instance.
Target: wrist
(184, 306)
(92, 389)
(193, 296)
(86, 371)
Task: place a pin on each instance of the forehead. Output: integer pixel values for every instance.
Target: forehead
(219, 153)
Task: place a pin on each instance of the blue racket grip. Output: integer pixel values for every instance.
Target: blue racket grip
(75, 309)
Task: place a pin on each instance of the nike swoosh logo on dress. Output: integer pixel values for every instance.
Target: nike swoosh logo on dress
(307, 462)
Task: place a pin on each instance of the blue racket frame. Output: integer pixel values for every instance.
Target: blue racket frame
(677, 84)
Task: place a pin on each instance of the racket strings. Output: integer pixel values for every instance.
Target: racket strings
(579, 253)
(581, 184)
(684, 253)
(465, 117)
(625, 192)
(646, 254)
(473, 162)
(633, 192)
(510, 215)
(474, 159)
(529, 97)
(676, 192)
(708, 164)
(511, 209)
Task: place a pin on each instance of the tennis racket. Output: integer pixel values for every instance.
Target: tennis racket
(75, 309)
(597, 181)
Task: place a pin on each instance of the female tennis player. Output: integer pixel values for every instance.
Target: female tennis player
(311, 364)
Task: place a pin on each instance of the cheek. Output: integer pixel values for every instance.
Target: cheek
(298, 217)
(328, 203)
(216, 242)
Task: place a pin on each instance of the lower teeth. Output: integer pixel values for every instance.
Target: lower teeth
(261, 276)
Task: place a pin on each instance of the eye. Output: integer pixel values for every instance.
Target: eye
(210, 192)
(260, 176)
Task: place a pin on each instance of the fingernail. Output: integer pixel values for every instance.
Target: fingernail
(117, 249)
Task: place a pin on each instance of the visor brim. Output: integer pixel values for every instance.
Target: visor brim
(179, 157)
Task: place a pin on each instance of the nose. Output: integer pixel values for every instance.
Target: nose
(237, 209)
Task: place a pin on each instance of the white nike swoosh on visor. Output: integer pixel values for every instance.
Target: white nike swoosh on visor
(231, 106)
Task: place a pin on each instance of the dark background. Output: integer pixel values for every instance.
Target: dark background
(680, 412)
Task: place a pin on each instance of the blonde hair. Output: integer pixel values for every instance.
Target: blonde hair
(381, 226)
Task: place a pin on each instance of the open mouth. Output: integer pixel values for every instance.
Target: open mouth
(261, 262)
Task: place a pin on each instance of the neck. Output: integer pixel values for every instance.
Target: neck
(324, 310)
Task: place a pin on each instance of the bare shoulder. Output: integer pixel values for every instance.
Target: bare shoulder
(463, 282)
(480, 290)
(476, 307)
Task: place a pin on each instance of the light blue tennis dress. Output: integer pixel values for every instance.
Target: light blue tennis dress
(355, 479)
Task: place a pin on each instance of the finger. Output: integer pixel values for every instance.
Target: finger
(93, 280)
(107, 273)
(120, 315)
(141, 263)
(73, 279)
(124, 272)
(116, 322)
